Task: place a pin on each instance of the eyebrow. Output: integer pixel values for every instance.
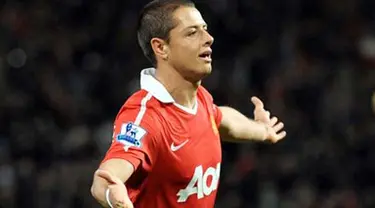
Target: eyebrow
(196, 26)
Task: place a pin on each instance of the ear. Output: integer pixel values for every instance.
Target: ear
(160, 48)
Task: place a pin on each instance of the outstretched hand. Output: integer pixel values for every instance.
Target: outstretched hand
(118, 195)
(263, 116)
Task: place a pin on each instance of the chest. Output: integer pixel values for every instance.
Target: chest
(189, 145)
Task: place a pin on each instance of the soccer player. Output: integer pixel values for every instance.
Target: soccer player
(166, 148)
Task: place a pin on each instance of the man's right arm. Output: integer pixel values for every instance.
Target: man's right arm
(133, 147)
(120, 168)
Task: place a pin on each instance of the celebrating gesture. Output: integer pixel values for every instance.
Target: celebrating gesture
(272, 125)
(166, 144)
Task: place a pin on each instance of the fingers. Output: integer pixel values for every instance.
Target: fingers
(257, 102)
(281, 135)
(119, 197)
(278, 127)
(277, 137)
(273, 121)
(260, 114)
(274, 134)
(123, 205)
(120, 204)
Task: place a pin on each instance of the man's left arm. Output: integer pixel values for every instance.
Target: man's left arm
(236, 127)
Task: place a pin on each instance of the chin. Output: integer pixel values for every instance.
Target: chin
(197, 73)
(205, 71)
(207, 68)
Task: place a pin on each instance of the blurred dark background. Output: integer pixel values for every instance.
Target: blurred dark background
(66, 67)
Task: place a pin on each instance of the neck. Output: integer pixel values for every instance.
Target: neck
(183, 91)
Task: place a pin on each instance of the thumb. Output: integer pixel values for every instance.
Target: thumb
(257, 102)
(107, 176)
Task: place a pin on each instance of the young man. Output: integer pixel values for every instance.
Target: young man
(166, 146)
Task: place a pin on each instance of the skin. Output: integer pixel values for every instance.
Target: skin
(189, 39)
(180, 69)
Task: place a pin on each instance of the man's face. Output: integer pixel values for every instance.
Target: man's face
(190, 44)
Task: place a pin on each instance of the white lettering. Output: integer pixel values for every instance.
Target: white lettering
(198, 183)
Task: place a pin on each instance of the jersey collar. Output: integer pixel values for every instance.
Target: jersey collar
(157, 89)
(153, 86)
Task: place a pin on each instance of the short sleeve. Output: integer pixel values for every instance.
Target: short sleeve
(134, 141)
(217, 114)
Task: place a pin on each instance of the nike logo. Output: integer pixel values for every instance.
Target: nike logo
(175, 148)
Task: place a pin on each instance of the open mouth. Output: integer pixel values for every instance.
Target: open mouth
(206, 56)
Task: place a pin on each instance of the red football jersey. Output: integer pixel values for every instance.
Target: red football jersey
(176, 151)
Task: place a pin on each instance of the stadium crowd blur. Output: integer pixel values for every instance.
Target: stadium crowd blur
(66, 67)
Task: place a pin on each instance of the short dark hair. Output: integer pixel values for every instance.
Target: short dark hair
(156, 21)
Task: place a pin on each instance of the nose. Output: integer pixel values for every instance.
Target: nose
(209, 40)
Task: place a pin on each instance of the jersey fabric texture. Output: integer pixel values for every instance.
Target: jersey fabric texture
(176, 151)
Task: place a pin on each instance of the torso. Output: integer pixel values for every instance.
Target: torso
(187, 168)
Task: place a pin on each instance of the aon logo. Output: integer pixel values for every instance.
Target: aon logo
(198, 184)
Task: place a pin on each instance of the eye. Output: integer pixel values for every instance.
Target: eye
(193, 32)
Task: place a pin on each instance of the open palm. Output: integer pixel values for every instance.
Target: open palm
(274, 127)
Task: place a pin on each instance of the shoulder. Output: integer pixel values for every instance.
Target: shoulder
(139, 102)
(141, 110)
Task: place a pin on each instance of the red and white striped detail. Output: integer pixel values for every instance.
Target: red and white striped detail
(143, 109)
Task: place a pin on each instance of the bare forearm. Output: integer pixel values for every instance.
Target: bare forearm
(119, 168)
(237, 127)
